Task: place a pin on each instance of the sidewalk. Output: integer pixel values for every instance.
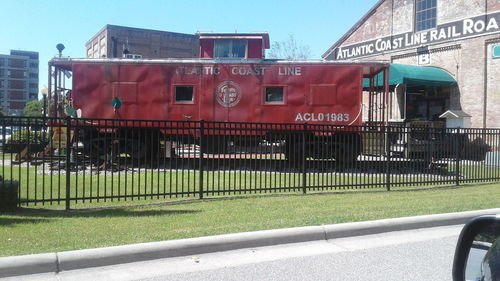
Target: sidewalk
(71, 260)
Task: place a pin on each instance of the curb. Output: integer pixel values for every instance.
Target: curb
(70, 260)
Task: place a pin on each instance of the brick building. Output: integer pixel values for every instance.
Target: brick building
(114, 41)
(461, 37)
(18, 81)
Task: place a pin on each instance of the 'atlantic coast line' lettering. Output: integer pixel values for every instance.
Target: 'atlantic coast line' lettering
(449, 31)
(238, 70)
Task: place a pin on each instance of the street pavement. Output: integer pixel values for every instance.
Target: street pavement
(419, 254)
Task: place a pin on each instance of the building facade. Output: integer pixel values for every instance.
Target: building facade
(461, 37)
(114, 41)
(18, 81)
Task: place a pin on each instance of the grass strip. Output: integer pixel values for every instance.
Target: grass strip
(30, 231)
(93, 189)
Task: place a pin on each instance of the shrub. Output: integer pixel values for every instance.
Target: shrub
(29, 137)
(476, 150)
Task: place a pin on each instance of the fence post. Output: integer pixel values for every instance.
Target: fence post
(303, 159)
(201, 148)
(388, 159)
(68, 161)
(457, 157)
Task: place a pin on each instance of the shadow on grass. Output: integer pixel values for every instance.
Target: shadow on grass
(26, 215)
(333, 192)
(12, 221)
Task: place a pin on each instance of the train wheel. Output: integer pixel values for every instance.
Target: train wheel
(145, 150)
(346, 156)
(294, 151)
(214, 144)
(136, 149)
(96, 151)
(349, 148)
(95, 146)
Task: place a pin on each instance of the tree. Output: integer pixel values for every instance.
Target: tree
(289, 50)
(33, 108)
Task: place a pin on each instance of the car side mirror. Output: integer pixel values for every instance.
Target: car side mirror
(477, 256)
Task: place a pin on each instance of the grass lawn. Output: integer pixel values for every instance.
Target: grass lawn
(39, 183)
(31, 231)
(153, 184)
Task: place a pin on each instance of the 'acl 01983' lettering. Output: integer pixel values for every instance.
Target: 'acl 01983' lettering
(322, 117)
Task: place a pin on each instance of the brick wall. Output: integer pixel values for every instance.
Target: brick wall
(463, 59)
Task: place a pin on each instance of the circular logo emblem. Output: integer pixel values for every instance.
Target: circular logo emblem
(228, 94)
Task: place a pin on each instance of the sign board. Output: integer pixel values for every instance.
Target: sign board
(424, 59)
(474, 26)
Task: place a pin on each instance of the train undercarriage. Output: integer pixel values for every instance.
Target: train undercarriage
(149, 146)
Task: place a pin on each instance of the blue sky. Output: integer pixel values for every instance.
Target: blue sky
(38, 25)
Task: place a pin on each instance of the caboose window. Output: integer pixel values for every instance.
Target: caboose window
(184, 94)
(227, 48)
(274, 95)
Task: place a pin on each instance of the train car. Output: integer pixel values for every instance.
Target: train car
(257, 91)
(230, 83)
(263, 91)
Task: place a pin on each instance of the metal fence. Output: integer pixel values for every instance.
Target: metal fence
(90, 161)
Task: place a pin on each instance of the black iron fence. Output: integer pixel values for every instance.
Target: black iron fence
(74, 161)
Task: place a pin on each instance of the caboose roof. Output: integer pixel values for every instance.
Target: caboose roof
(262, 36)
(370, 68)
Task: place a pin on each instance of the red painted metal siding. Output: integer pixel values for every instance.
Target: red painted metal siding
(207, 48)
(254, 50)
(222, 92)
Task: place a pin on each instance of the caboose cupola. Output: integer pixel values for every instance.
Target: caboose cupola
(233, 45)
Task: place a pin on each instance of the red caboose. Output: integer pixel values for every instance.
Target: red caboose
(240, 87)
(260, 91)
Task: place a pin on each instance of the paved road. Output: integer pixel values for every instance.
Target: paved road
(423, 254)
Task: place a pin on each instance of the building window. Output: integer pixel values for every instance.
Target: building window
(425, 14)
(33, 65)
(33, 75)
(228, 48)
(495, 51)
(184, 94)
(16, 74)
(16, 95)
(273, 95)
(17, 84)
(132, 56)
(2, 61)
(17, 105)
(18, 63)
(33, 85)
(95, 51)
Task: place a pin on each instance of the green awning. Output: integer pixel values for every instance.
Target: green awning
(415, 76)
